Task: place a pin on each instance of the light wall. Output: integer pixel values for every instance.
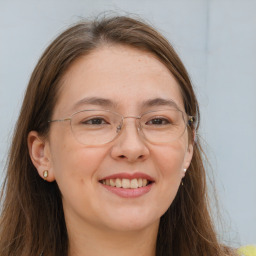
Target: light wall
(216, 40)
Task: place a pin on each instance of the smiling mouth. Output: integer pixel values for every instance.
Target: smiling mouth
(126, 183)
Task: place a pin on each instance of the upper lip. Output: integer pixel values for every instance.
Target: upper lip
(130, 176)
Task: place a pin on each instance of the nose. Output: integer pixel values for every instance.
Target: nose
(130, 145)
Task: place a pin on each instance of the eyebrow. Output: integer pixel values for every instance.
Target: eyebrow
(103, 102)
(94, 101)
(160, 102)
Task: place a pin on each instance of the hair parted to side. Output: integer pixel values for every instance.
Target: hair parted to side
(32, 218)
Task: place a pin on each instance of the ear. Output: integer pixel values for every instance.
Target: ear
(39, 152)
(188, 158)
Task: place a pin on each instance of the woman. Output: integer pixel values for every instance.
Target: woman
(104, 159)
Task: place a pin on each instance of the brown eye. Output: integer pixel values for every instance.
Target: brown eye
(94, 121)
(158, 121)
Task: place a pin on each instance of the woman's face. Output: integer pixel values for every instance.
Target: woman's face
(125, 78)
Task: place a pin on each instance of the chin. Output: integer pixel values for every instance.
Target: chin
(132, 221)
(132, 226)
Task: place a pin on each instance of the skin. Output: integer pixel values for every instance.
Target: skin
(97, 220)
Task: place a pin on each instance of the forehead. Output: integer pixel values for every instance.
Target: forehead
(120, 74)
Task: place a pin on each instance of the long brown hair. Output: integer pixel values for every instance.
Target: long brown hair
(32, 218)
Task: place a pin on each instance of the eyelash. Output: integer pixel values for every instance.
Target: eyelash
(90, 121)
(162, 119)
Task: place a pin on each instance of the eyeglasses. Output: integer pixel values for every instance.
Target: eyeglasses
(98, 127)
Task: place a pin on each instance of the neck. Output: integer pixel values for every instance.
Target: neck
(96, 242)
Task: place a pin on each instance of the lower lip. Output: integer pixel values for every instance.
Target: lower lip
(129, 192)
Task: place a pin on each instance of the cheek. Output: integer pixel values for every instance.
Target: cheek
(77, 163)
(72, 161)
(169, 162)
(75, 169)
(170, 158)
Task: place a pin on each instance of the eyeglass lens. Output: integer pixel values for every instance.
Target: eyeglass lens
(96, 127)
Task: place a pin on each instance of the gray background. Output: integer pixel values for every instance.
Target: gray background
(216, 39)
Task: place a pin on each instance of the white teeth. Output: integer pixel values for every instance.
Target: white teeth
(134, 183)
(112, 182)
(126, 183)
(139, 182)
(118, 183)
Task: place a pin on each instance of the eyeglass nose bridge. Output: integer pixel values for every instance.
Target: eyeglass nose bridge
(121, 125)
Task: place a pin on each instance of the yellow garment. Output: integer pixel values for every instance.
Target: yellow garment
(249, 250)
